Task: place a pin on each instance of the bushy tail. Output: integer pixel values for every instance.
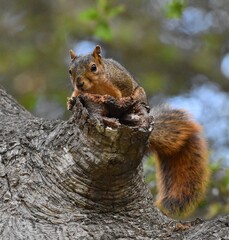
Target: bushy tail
(182, 168)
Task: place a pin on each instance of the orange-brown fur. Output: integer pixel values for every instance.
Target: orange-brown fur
(181, 151)
(176, 140)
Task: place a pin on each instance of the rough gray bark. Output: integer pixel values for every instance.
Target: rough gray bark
(81, 179)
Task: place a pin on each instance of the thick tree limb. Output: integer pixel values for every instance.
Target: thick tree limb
(82, 178)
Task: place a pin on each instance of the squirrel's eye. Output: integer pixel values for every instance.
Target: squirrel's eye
(93, 67)
(70, 72)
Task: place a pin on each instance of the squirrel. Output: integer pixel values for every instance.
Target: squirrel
(94, 74)
(176, 140)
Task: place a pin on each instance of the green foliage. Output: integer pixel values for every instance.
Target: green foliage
(25, 56)
(29, 100)
(217, 198)
(101, 15)
(174, 8)
(153, 82)
(150, 174)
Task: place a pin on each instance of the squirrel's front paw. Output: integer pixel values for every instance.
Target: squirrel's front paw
(71, 102)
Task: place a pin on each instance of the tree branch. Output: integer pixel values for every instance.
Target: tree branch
(82, 178)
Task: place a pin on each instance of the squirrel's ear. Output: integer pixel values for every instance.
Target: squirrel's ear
(72, 54)
(97, 53)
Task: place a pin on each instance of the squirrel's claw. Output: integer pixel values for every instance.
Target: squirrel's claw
(70, 103)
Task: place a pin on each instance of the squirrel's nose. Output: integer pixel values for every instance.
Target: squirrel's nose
(79, 83)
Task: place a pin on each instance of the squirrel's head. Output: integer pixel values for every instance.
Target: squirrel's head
(86, 71)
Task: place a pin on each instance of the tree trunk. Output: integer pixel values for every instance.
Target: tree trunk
(83, 178)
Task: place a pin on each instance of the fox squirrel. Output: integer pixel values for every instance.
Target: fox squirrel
(181, 151)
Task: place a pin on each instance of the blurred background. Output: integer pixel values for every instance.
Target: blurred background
(178, 51)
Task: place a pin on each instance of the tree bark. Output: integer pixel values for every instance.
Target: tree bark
(83, 178)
